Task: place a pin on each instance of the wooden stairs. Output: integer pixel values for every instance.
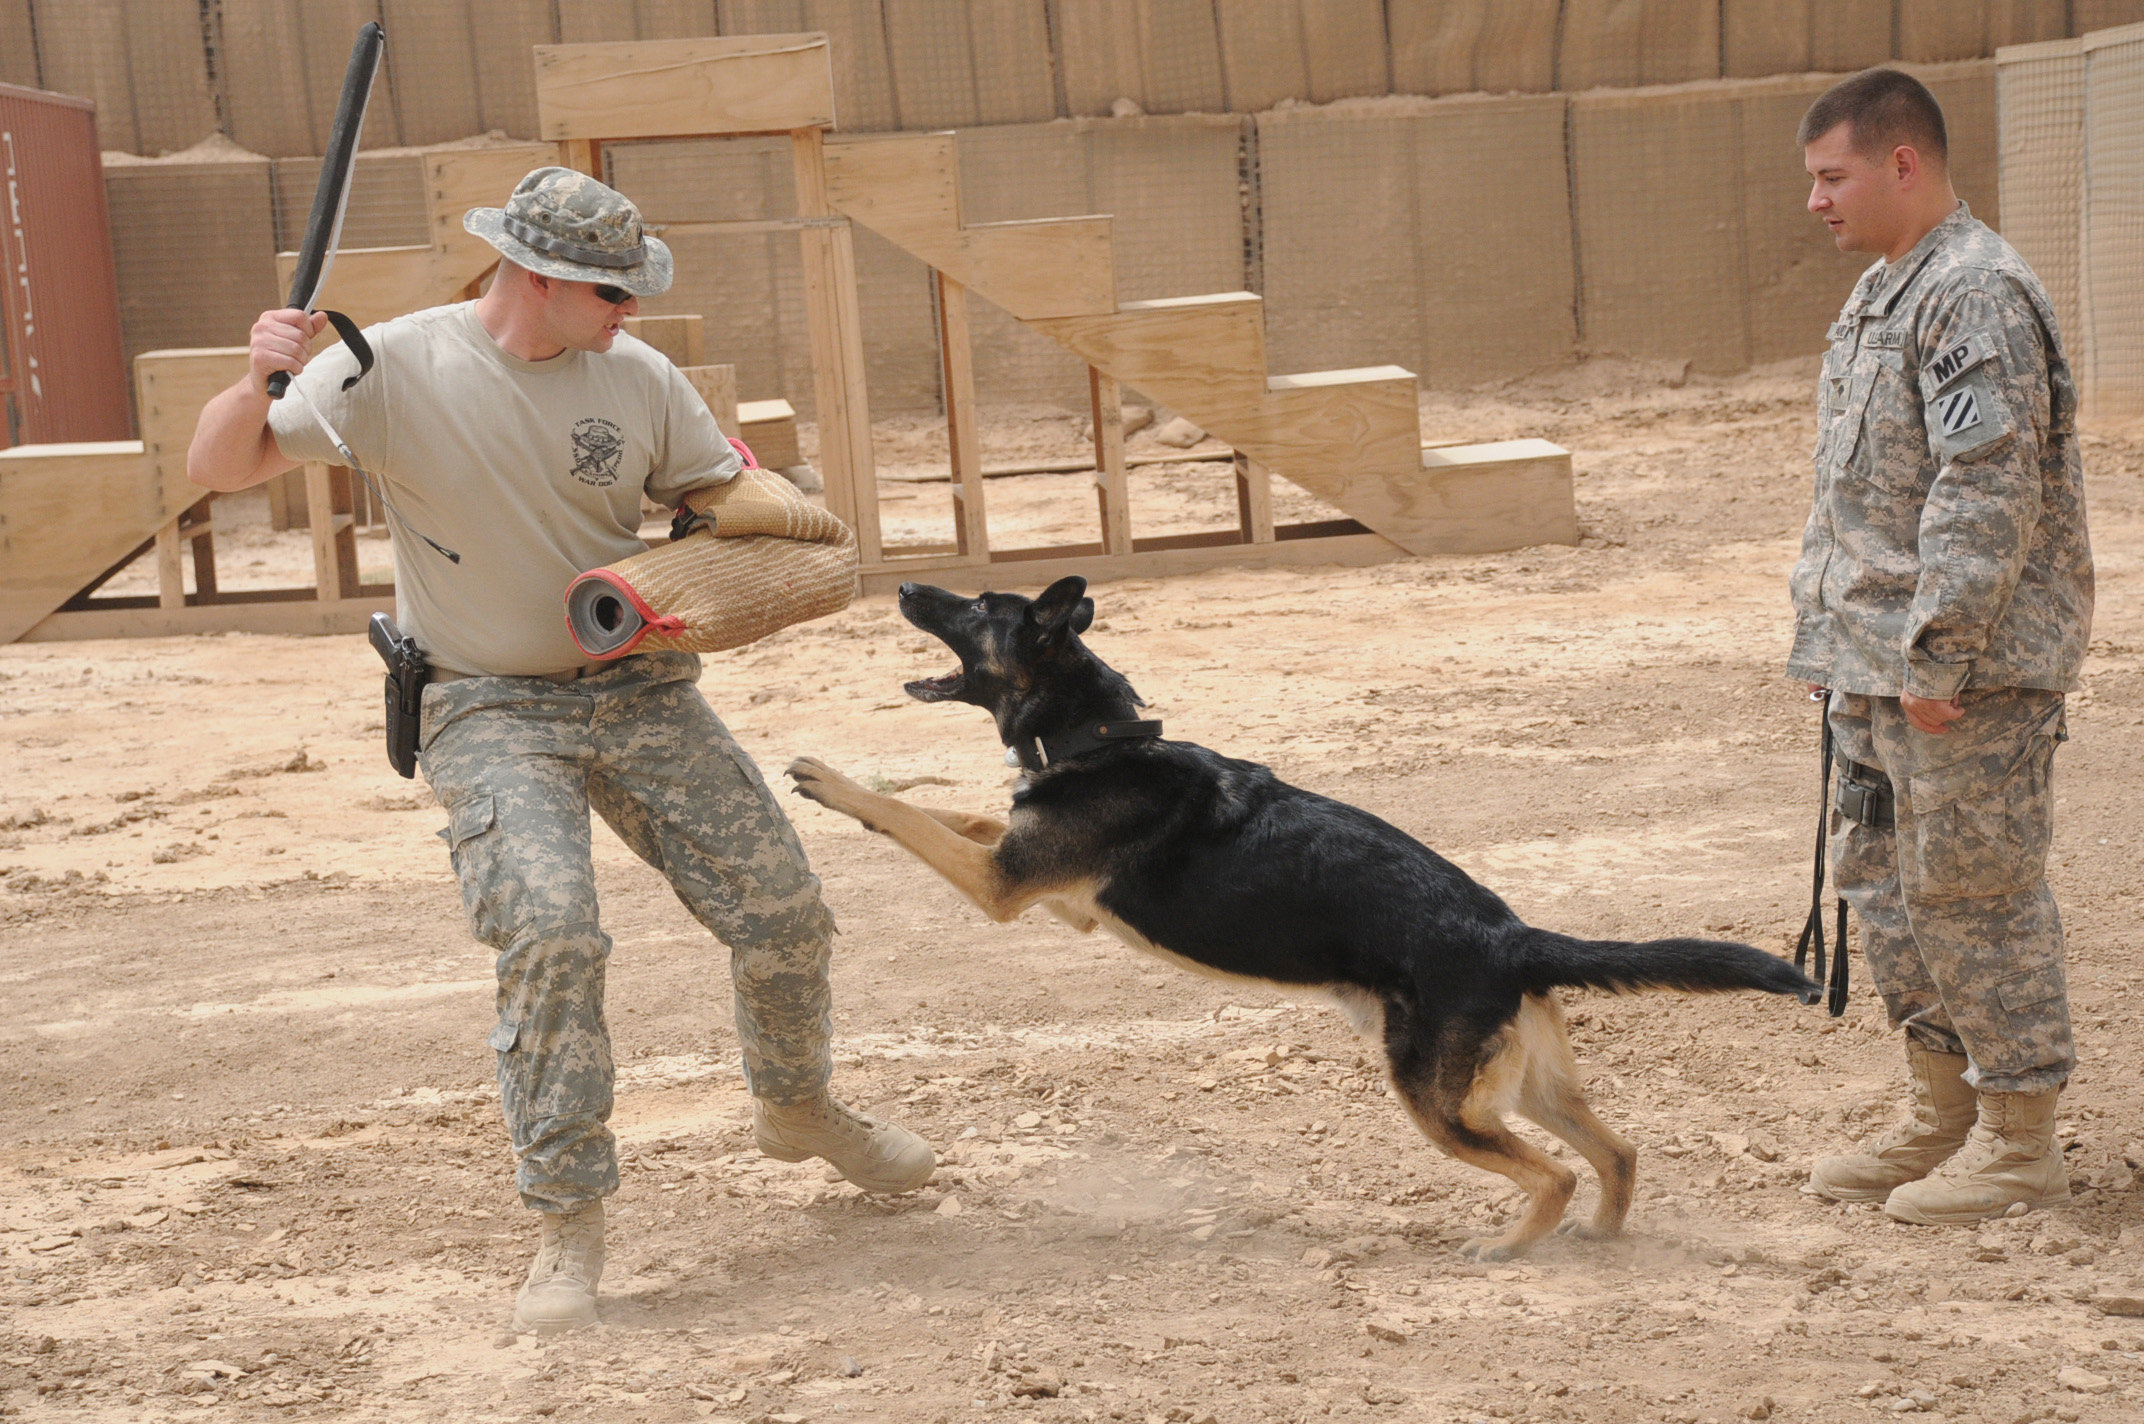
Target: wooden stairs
(1350, 437)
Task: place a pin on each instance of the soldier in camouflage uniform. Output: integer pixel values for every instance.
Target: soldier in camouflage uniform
(1944, 596)
(521, 431)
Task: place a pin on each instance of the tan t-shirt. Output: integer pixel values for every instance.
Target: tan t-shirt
(531, 470)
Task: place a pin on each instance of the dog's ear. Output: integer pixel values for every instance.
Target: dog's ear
(1063, 607)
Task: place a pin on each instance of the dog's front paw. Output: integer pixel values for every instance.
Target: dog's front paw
(816, 781)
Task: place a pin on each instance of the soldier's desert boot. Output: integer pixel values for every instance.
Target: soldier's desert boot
(560, 1293)
(2010, 1160)
(877, 1156)
(1944, 1105)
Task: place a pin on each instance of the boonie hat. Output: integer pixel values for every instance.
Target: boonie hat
(566, 224)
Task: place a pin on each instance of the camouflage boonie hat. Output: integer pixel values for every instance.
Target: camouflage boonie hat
(566, 224)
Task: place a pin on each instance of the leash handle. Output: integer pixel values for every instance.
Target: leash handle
(1811, 942)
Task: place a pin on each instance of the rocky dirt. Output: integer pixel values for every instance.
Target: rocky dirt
(250, 1158)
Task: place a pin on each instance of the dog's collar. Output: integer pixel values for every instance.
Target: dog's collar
(1040, 753)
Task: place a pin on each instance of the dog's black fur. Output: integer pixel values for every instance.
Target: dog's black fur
(1220, 864)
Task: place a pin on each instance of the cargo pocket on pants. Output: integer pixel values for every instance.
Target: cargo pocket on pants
(505, 1036)
(471, 825)
(2035, 986)
(1974, 840)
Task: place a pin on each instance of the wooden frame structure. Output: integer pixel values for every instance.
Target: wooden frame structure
(1351, 437)
(72, 516)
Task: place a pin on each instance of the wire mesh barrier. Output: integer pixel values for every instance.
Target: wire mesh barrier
(1370, 256)
(2073, 200)
(167, 73)
(1469, 238)
(2039, 96)
(2112, 213)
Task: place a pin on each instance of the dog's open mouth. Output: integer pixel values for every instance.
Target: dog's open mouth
(937, 689)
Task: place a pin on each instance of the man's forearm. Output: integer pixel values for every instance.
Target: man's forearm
(1975, 530)
(233, 447)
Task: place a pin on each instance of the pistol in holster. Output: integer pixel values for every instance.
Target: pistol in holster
(407, 672)
(1865, 796)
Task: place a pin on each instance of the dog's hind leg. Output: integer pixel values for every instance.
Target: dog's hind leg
(1463, 1113)
(1549, 1094)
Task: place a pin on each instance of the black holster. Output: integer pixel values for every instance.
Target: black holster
(407, 672)
(1865, 796)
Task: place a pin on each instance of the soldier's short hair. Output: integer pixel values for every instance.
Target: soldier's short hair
(1885, 108)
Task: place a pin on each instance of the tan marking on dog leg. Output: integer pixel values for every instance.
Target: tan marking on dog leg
(970, 825)
(1551, 1096)
(971, 866)
(1473, 1131)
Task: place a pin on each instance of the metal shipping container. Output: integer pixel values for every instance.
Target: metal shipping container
(63, 373)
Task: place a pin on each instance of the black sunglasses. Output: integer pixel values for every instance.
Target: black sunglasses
(616, 296)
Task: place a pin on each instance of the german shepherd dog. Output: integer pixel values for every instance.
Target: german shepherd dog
(1221, 867)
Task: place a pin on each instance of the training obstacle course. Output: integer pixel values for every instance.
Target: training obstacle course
(1350, 437)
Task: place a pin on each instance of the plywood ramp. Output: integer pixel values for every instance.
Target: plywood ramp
(68, 513)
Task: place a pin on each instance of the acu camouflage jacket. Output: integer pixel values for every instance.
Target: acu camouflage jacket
(1947, 546)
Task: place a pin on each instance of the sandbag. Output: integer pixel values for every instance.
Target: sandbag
(760, 558)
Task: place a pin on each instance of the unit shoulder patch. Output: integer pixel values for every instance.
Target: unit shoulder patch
(1967, 416)
(1957, 411)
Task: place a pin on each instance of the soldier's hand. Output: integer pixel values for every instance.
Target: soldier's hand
(1928, 715)
(281, 340)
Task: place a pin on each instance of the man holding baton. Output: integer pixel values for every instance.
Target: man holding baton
(520, 431)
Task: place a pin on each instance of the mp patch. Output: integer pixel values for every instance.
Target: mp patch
(1955, 360)
(1957, 411)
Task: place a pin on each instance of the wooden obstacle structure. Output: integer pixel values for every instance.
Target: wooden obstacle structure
(71, 517)
(1352, 438)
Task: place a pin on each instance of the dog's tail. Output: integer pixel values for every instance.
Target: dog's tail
(1707, 966)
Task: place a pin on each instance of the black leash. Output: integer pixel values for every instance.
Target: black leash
(1813, 928)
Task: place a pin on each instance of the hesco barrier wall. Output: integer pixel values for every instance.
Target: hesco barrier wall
(2073, 172)
(266, 73)
(1467, 238)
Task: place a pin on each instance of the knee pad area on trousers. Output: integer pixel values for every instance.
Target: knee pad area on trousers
(553, 972)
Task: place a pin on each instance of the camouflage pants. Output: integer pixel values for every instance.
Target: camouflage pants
(1957, 922)
(518, 762)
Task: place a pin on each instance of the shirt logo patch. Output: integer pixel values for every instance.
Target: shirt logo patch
(1888, 338)
(1958, 411)
(598, 450)
(1955, 358)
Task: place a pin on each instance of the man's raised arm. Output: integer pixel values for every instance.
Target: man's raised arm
(233, 447)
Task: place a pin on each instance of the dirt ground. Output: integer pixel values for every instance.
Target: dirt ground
(250, 1158)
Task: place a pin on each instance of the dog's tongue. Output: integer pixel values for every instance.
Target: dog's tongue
(934, 689)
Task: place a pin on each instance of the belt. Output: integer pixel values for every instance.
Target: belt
(569, 675)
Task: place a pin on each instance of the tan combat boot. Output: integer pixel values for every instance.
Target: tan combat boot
(877, 1156)
(2010, 1160)
(560, 1293)
(1943, 1107)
